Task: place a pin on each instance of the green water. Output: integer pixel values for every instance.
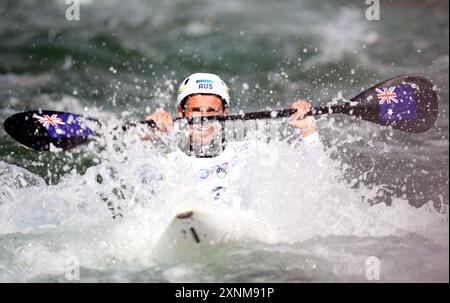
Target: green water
(125, 59)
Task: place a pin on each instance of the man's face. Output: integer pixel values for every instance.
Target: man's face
(204, 106)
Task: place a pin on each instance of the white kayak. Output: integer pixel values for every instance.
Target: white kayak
(195, 232)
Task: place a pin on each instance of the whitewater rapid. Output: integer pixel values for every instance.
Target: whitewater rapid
(382, 194)
(109, 221)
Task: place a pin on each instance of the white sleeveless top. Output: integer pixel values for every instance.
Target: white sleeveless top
(216, 175)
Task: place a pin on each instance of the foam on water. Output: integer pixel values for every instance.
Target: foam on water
(310, 221)
(295, 201)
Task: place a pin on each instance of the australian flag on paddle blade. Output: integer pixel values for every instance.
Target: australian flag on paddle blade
(64, 125)
(397, 103)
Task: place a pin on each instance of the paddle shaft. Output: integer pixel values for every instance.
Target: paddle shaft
(269, 114)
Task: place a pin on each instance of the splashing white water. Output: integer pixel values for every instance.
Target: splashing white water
(292, 198)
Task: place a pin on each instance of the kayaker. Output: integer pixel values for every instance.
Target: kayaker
(203, 94)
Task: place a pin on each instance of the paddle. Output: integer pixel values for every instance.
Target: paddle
(44, 129)
(406, 103)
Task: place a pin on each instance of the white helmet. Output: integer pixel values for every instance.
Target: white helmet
(201, 83)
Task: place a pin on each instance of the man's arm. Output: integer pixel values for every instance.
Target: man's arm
(164, 123)
(308, 140)
(306, 125)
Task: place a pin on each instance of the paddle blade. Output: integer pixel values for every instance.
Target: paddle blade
(405, 103)
(43, 130)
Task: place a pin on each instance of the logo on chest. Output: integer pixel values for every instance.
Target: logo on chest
(216, 171)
